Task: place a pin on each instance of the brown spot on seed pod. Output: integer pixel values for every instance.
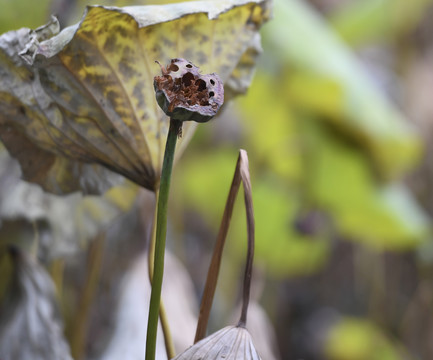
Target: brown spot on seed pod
(184, 94)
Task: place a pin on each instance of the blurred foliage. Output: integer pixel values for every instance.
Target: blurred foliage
(311, 149)
(279, 248)
(367, 117)
(329, 153)
(361, 22)
(358, 339)
(23, 13)
(337, 225)
(340, 181)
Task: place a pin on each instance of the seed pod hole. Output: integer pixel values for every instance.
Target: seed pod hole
(173, 67)
(187, 79)
(189, 66)
(211, 94)
(201, 84)
(212, 81)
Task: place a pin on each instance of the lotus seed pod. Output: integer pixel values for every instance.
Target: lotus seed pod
(229, 343)
(184, 94)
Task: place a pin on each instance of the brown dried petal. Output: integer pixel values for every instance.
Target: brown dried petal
(184, 94)
(229, 343)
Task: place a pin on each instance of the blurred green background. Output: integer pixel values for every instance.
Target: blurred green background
(337, 125)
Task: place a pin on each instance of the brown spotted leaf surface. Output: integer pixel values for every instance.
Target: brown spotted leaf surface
(26, 129)
(89, 91)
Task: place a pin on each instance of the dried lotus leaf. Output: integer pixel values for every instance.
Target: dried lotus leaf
(99, 73)
(27, 115)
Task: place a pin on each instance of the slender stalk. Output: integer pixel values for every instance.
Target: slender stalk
(80, 322)
(241, 175)
(214, 267)
(168, 339)
(250, 226)
(161, 232)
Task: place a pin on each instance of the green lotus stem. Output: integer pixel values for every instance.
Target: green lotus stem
(168, 339)
(161, 232)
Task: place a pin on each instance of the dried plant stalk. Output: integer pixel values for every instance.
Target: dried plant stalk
(241, 175)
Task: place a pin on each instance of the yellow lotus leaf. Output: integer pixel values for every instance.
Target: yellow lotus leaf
(89, 94)
(25, 110)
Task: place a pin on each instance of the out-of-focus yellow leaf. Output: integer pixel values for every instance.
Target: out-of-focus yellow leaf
(325, 167)
(315, 94)
(340, 181)
(364, 21)
(270, 128)
(365, 114)
(199, 170)
(358, 339)
(331, 172)
(98, 75)
(19, 13)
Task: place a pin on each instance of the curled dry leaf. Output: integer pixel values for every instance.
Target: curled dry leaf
(30, 325)
(61, 224)
(88, 90)
(25, 129)
(229, 343)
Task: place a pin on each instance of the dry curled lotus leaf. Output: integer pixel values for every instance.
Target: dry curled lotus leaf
(27, 123)
(229, 343)
(99, 75)
(64, 224)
